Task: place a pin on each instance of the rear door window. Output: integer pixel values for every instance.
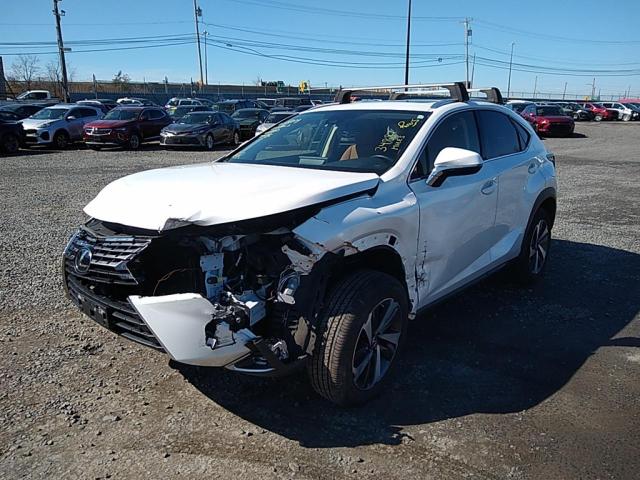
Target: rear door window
(497, 133)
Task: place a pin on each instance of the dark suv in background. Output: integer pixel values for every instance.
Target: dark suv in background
(230, 106)
(126, 127)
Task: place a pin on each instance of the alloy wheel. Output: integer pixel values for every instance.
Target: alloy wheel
(539, 246)
(209, 141)
(236, 138)
(377, 344)
(134, 141)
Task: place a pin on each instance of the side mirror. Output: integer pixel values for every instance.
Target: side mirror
(452, 161)
(71, 117)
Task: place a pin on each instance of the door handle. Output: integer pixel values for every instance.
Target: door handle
(489, 187)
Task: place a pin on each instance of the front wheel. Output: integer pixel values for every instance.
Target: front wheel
(61, 140)
(208, 142)
(235, 141)
(598, 118)
(534, 254)
(360, 335)
(626, 118)
(134, 141)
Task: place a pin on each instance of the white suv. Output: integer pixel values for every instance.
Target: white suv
(314, 243)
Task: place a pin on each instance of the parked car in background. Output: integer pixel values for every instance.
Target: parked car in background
(624, 113)
(273, 118)
(249, 119)
(35, 95)
(575, 111)
(175, 102)
(178, 112)
(293, 102)
(104, 104)
(266, 103)
(22, 110)
(136, 101)
(128, 126)
(9, 116)
(206, 101)
(302, 108)
(230, 106)
(201, 129)
(635, 107)
(600, 112)
(11, 134)
(548, 120)
(518, 105)
(59, 125)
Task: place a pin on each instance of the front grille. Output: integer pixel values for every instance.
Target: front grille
(30, 131)
(98, 131)
(179, 140)
(109, 257)
(93, 287)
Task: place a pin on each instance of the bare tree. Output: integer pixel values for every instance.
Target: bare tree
(121, 81)
(258, 81)
(53, 74)
(26, 69)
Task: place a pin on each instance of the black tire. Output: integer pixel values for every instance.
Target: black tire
(235, 139)
(61, 140)
(343, 366)
(209, 143)
(10, 144)
(534, 254)
(134, 141)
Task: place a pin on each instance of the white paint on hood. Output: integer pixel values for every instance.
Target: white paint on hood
(217, 193)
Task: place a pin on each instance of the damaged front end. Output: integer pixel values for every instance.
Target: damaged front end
(242, 296)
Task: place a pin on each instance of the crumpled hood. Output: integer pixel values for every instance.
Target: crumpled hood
(217, 193)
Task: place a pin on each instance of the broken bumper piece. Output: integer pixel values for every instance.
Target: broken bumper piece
(179, 322)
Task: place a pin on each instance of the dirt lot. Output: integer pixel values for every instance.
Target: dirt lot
(497, 383)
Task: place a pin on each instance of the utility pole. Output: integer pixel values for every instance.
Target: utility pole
(197, 11)
(565, 90)
(406, 64)
(535, 86)
(593, 88)
(510, 65)
(206, 58)
(473, 68)
(467, 34)
(63, 63)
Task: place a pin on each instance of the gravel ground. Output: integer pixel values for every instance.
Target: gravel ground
(497, 383)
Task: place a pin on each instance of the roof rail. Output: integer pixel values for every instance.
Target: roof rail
(457, 91)
(493, 94)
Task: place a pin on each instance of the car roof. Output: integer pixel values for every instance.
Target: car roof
(251, 110)
(133, 107)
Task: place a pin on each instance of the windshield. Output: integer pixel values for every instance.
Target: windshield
(121, 114)
(192, 118)
(349, 140)
(278, 117)
(246, 114)
(549, 111)
(50, 114)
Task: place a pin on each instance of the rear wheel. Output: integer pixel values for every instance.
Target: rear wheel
(61, 140)
(10, 143)
(531, 263)
(598, 118)
(360, 336)
(626, 118)
(235, 141)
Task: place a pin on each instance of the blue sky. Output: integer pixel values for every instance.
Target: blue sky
(363, 40)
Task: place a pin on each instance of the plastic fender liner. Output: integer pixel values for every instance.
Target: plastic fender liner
(178, 321)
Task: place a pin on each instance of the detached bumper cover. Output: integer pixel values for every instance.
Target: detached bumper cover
(178, 322)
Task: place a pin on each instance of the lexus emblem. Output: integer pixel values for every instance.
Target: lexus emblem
(83, 260)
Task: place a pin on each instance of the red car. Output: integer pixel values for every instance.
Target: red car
(600, 112)
(549, 120)
(126, 127)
